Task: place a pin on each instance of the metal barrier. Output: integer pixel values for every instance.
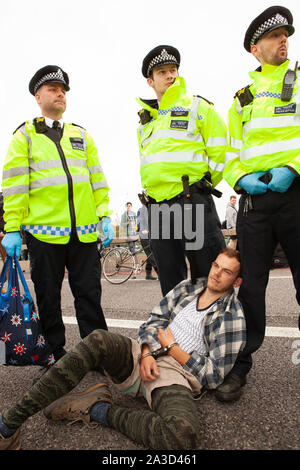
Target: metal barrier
(119, 240)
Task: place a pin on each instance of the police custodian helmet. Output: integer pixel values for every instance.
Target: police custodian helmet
(160, 55)
(272, 18)
(49, 73)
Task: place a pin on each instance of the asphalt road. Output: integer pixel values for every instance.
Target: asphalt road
(265, 418)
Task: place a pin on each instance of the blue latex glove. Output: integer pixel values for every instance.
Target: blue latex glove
(282, 179)
(12, 243)
(252, 184)
(108, 231)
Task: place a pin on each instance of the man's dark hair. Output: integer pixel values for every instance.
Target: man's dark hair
(232, 253)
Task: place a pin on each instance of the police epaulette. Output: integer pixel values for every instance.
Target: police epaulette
(19, 127)
(40, 125)
(244, 96)
(144, 116)
(205, 99)
(73, 124)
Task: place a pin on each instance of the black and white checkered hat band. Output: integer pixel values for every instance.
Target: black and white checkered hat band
(277, 20)
(162, 58)
(50, 77)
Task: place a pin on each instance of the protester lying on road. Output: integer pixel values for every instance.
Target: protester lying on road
(189, 343)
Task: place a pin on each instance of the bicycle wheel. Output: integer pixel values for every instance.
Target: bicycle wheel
(118, 265)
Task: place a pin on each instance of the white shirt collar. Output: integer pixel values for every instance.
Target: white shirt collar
(50, 121)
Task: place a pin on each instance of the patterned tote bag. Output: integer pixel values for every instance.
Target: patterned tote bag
(20, 328)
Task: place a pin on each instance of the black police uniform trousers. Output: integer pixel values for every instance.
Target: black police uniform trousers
(48, 263)
(171, 254)
(275, 217)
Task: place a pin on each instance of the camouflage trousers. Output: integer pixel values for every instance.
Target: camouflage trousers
(172, 422)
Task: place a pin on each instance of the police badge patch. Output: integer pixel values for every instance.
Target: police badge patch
(77, 143)
(178, 124)
(289, 108)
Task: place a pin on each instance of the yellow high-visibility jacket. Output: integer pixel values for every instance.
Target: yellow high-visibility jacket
(50, 188)
(184, 136)
(265, 133)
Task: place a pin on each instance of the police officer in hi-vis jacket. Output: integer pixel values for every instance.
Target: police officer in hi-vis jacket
(55, 191)
(182, 142)
(263, 158)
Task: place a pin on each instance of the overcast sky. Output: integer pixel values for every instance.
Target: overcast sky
(101, 45)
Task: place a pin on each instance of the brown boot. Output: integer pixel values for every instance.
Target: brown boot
(12, 442)
(75, 406)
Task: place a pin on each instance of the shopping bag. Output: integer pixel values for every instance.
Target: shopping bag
(20, 326)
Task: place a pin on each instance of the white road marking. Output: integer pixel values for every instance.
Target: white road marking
(277, 331)
(281, 277)
(282, 332)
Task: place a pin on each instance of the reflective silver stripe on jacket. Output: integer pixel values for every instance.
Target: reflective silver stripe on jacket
(46, 165)
(270, 122)
(185, 136)
(56, 163)
(270, 148)
(193, 115)
(230, 156)
(172, 134)
(216, 142)
(17, 171)
(164, 157)
(20, 189)
(100, 185)
(57, 180)
(82, 132)
(216, 166)
(236, 143)
(95, 169)
(24, 132)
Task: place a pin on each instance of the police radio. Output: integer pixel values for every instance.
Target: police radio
(288, 84)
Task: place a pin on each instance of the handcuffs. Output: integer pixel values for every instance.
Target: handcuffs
(159, 352)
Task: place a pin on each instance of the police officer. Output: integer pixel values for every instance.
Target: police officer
(55, 190)
(263, 165)
(182, 143)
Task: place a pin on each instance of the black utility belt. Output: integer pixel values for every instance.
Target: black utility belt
(198, 187)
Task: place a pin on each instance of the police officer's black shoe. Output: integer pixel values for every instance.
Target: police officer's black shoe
(150, 277)
(231, 388)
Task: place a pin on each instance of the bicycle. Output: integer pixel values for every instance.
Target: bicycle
(119, 264)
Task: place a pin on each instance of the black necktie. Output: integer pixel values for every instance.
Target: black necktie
(56, 125)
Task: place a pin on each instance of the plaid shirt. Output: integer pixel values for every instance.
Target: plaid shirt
(224, 331)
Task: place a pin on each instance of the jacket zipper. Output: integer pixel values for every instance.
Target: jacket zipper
(70, 187)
